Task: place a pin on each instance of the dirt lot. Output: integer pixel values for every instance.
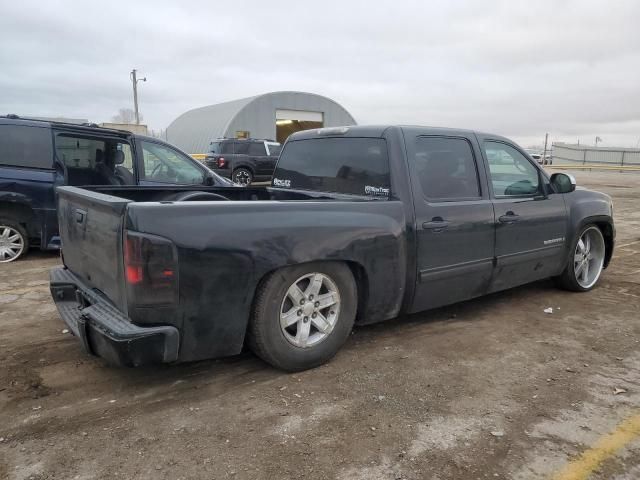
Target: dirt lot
(492, 388)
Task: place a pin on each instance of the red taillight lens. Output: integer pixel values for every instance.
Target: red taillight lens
(221, 162)
(150, 264)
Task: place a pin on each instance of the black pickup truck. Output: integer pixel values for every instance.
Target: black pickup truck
(360, 224)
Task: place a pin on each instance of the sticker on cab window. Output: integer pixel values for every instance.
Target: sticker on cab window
(376, 191)
(281, 183)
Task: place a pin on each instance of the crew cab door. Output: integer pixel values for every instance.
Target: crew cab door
(531, 220)
(454, 219)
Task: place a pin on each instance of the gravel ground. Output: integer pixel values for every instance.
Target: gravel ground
(491, 388)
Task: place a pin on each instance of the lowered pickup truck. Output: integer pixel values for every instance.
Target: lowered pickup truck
(360, 224)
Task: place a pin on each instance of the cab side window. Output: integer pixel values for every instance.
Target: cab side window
(446, 168)
(512, 174)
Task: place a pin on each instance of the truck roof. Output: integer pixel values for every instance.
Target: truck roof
(379, 131)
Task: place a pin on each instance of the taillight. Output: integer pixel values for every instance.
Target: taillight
(222, 162)
(150, 265)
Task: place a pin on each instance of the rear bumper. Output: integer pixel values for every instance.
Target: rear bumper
(105, 331)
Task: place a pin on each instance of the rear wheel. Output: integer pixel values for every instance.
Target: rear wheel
(242, 176)
(14, 241)
(586, 262)
(302, 315)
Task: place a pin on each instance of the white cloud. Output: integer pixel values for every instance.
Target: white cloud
(516, 68)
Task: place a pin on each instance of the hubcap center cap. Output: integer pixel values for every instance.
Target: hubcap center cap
(307, 308)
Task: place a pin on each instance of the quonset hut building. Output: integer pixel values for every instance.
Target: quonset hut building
(272, 116)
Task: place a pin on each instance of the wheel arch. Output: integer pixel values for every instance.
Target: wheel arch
(358, 271)
(605, 224)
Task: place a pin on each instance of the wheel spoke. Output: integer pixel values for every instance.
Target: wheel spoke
(587, 244)
(14, 238)
(10, 253)
(5, 232)
(321, 323)
(327, 300)
(577, 258)
(302, 335)
(314, 285)
(295, 294)
(289, 318)
(585, 272)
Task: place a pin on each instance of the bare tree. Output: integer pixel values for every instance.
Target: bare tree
(126, 116)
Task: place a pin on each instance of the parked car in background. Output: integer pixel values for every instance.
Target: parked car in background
(243, 160)
(361, 224)
(37, 156)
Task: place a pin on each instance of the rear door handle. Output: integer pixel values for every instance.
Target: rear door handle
(510, 217)
(436, 225)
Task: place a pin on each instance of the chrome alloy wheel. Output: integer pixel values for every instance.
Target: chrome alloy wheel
(11, 244)
(310, 310)
(242, 177)
(588, 257)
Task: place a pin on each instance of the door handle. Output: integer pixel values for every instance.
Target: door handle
(80, 215)
(509, 217)
(437, 224)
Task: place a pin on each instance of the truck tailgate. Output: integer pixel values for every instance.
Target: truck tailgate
(91, 230)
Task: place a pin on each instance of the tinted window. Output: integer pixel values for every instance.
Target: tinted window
(257, 149)
(166, 165)
(344, 165)
(446, 168)
(226, 147)
(24, 146)
(241, 148)
(512, 174)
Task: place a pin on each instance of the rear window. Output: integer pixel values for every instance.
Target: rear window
(358, 166)
(257, 149)
(25, 146)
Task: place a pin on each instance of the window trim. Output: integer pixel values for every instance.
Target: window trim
(451, 199)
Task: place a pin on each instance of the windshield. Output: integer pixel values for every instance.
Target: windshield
(356, 166)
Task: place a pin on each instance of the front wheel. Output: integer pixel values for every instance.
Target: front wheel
(242, 176)
(586, 261)
(303, 314)
(14, 241)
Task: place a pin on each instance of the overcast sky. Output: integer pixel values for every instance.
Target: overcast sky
(518, 68)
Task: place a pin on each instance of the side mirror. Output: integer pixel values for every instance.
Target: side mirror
(563, 182)
(208, 180)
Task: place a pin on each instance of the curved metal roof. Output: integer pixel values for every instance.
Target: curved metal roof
(195, 129)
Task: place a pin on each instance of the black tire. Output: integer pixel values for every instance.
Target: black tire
(267, 339)
(567, 279)
(14, 224)
(242, 176)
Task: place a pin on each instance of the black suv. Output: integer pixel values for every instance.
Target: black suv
(37, 156)
(243, 161)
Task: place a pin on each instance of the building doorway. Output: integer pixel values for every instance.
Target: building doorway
(291, 121)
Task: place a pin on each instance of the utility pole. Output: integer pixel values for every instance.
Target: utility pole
(135, 81)
(544, 153)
